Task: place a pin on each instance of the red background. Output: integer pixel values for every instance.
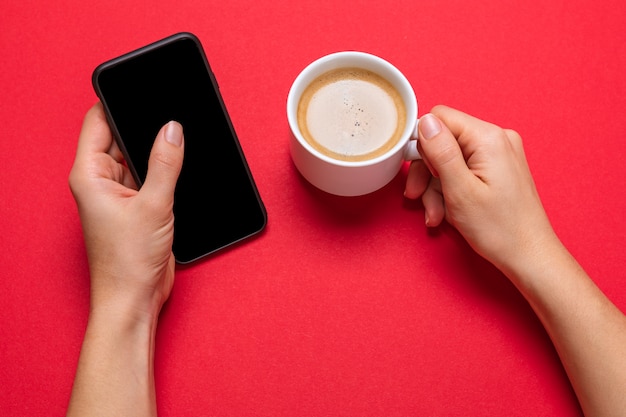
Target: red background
(343, 306)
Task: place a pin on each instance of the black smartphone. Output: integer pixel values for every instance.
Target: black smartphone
(216, 202)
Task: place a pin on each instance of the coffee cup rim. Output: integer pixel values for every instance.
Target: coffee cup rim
(338, 60)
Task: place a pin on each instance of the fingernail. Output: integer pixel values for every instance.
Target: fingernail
(174, 133)
(426, 219)
(429, 126)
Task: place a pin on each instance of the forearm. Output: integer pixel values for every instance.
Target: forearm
(588, 331)
(115, 375)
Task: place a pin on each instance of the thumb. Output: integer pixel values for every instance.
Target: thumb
(165, 163)
(441, 151)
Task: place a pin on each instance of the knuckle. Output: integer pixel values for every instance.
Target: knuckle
(513, 136)
(168, 159)
(76, 181)
(446, 154)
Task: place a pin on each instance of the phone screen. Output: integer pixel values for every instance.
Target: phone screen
(216, 202)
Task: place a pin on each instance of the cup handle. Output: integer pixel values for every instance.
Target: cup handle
(410, 152)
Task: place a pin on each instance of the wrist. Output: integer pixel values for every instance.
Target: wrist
(131, 296)
(116, 361)
(532, 259)
(123, 311)
(122, 321)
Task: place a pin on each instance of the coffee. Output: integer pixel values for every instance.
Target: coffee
(351, 114)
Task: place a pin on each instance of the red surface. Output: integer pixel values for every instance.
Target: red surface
(343, 306)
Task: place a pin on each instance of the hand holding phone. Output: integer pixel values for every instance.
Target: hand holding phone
(216, 202)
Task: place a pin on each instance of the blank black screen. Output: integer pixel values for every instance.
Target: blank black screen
(216, 202)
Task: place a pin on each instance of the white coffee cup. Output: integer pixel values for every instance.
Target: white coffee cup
(352, 178)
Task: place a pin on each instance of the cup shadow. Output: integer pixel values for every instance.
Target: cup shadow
(354, 211)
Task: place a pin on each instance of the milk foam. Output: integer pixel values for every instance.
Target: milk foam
(351, 117)
(351, 114)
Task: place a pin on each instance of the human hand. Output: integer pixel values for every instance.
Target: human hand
(128, 233)
(475, 175)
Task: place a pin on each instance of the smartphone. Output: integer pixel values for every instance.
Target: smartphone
(216, 202)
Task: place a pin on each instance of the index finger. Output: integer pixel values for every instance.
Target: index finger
(459, 123)
(470, 132)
